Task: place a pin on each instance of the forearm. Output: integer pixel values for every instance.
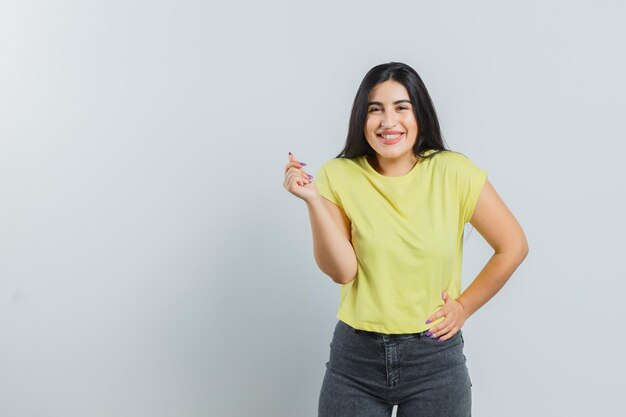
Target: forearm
(490, 280)
(333, 252)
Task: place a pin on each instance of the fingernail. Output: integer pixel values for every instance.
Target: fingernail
(429, 333)
(303, 164)
(427, 321)
(310, 176)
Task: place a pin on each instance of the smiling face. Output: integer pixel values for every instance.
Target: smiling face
(391, 128)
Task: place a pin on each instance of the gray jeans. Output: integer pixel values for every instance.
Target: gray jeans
(368, 372)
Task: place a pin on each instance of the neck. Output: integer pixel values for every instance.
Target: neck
(395, 167)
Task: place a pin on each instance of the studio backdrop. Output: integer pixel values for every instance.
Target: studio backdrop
(153, 264)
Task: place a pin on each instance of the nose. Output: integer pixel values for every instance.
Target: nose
(388, 121)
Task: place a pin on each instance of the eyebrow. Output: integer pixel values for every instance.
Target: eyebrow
(378, 103)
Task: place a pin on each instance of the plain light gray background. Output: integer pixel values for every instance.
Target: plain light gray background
(152, 264)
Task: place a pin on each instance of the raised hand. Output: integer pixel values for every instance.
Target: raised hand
(297, 181)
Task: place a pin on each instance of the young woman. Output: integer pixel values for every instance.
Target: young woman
(388, 216)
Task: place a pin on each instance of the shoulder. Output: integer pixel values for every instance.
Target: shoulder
(450, 157)
(340, 165)
(337, 162)
(453, 160)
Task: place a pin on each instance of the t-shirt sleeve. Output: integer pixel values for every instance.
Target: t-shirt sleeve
(471, 179)
(324, 183)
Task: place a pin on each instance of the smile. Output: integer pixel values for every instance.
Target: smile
(390, 139)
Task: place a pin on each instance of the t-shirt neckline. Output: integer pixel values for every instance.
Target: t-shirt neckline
(408, 175)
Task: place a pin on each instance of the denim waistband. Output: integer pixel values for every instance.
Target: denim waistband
(388, 336)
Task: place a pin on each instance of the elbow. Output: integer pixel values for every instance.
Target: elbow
(346, 278)
(524, 248)
(522, 252)
(518, 251)
(343, 280)
(338, 277)
(341, 269)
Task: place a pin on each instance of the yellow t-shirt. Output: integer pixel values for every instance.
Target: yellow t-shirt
(407, 233)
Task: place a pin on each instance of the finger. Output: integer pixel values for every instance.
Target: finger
(294, 183)
(299, 174)
(290, 167)
(438, 330)
(293, 162)
(308, 178)
(439, 313)
(291, 181)
(436, 333)
(296, 178)
(293, 159)
(448, 333)
(295, 165)
(449, 325)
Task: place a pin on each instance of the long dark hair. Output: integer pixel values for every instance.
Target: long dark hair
(429, 136)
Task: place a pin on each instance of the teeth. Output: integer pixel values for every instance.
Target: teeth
(390, 136)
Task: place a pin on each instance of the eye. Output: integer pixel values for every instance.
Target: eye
(373, 109)
(403, 108)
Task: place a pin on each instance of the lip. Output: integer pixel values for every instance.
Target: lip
(390, 141)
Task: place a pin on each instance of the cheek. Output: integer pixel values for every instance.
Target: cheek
(371, 124)
(410, 122)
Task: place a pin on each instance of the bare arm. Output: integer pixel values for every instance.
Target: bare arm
(332, 245)
(330, 226)
(495, 222)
